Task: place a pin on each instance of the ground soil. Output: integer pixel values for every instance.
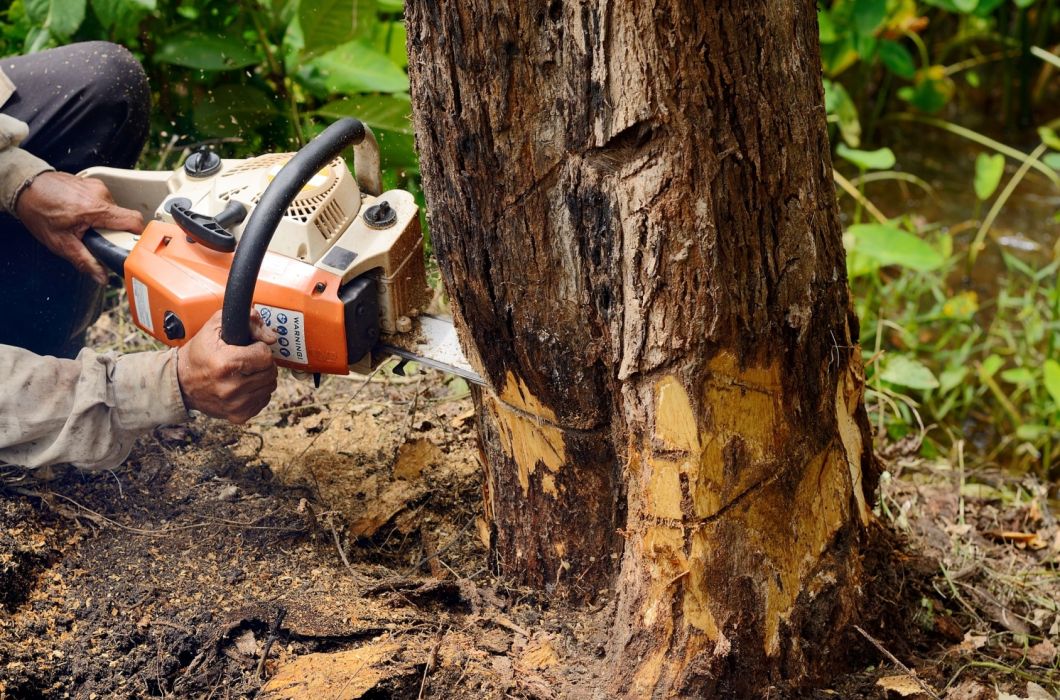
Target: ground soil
(332, 549)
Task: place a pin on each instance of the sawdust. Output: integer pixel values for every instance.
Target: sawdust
(165, 578)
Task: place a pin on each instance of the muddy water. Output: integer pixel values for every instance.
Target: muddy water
(1026, 226)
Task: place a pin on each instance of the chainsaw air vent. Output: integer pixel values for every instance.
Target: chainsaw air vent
(228, 195)
(319, 214)
(259, 163)
(319, 208)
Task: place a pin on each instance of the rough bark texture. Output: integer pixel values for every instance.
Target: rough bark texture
(633, 209)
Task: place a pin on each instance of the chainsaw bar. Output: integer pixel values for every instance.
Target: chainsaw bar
(433, 343)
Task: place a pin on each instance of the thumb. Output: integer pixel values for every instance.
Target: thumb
(259, 331)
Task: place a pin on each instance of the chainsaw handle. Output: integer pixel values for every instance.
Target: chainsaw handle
(257, 234)
(110, 254)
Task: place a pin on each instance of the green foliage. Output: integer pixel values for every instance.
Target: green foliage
(978, 365)
(252, 76)
(988, 171)
(246, 76)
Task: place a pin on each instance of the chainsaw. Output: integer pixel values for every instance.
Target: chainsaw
(330, 262)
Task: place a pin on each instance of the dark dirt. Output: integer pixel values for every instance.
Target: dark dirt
(166, 578)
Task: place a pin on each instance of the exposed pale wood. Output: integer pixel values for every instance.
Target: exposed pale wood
(634, 213)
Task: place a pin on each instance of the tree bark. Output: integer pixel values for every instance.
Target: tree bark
(633, 210)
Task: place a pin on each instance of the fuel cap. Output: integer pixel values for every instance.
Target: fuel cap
(381, 215)
(202, 164)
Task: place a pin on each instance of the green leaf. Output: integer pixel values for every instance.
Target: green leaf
(868, 15)
(1049, 137)
(60, 17)
(990, 366)
(988, 171)
(1023, 3)
(888, 245)
(897, 59)
(880, 159)
(206, 52)
(1052, 160)
(391, 5)
(1032, 432)
(1052, 380)
(838, 103)
(230, 110)
(901, 370)
(355, 67)
(826, 28)
(966, 6)
(390, 39)
(932, 91)
(1021, 376)
(952, 377)
(330, 23)
(390, 112)
(122, 14)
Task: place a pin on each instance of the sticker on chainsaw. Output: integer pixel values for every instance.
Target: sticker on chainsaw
(290, 326)
(142, 305)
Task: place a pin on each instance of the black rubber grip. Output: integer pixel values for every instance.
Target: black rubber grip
(253, 244)
(110, 254)
(205, 229)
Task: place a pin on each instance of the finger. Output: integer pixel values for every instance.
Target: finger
(78, 255)
(251, 359)
(259, 331)
(117, 219)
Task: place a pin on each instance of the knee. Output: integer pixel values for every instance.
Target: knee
(116, 78)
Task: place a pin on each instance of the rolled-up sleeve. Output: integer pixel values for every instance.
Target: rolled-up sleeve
(87, 411)
(17, 167)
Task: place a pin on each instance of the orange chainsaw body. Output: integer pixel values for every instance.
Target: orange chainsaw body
(167, 276)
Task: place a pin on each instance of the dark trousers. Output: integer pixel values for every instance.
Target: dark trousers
(86, 104)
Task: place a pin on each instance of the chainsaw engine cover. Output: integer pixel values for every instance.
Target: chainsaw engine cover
(175, 286)
(344, 263)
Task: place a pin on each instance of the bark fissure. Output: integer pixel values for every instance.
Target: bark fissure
(644, 194)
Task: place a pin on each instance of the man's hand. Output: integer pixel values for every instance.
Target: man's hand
(58, 208)
(227, 381)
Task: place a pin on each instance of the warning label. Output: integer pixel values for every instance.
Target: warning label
(290, 326)
(142, 305)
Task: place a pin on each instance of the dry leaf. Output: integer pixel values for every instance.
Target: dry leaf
(1036, 692)
(904, 685)
(391, 500)
(247, 644)
(972, 642)
(1011, 535)
(539, 655)
(1042, 654)
(463, 419)
(970, 690)
(414, 457)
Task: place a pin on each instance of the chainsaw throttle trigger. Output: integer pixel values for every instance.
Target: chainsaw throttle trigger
(210, 231)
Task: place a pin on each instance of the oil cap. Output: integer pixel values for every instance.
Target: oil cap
(202, 163)
(173, 326)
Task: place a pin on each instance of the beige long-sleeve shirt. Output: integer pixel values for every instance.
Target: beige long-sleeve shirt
(86, 411)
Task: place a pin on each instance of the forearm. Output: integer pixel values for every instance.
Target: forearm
(87, 411)
(17, 167)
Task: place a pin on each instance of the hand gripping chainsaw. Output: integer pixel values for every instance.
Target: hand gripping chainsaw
(332, 264)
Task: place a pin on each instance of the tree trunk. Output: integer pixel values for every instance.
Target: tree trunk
(633, 209)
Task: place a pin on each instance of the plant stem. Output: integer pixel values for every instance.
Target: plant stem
(999, 203)
(975, 136)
